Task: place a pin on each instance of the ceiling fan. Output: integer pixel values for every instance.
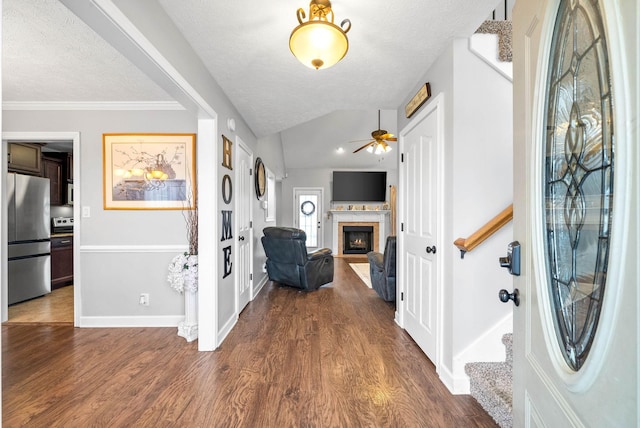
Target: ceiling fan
(379, 143)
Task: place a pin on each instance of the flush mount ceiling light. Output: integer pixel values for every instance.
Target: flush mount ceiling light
(319, 43)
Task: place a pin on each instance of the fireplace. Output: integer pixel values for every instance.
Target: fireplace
(357, 239)
(377, 219)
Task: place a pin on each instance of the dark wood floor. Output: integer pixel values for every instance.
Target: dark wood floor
(329, 358)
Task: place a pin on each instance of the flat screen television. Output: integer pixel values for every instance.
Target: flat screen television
(359, 186)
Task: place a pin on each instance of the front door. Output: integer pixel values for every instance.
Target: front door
(575, 213)
(244, 233)
(308, 215)
(420, 171)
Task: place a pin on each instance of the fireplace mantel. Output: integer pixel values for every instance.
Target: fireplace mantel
(379, 218)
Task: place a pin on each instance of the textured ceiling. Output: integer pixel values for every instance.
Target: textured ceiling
(48, 54)
(51, 55)
(245, 46)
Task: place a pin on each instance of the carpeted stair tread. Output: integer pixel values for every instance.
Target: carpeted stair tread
(491, 387)
(496, 376)
(490, 384)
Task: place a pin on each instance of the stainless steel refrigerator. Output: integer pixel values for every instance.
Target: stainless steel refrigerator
(29, 237)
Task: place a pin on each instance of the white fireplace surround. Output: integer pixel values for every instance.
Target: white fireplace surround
(380, 219)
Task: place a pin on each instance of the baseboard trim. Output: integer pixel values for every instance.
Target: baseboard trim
(455, 385)
(486, 348)
(258, 288)
(226, 329)
(131, 321)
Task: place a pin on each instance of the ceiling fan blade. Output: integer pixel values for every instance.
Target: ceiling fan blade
(359, 141)
(386, 136)
(391, 139)
(364, 147)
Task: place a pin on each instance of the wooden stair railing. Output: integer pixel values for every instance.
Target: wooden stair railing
(479, 236)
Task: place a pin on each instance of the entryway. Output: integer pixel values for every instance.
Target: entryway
(62, 304)
(307, 214)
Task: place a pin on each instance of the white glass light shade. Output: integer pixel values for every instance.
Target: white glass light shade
(379, 148)
(318, 44)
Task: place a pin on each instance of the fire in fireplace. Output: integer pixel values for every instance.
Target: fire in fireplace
(357, 239)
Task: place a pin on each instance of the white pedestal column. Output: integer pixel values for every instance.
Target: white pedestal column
(189, 327)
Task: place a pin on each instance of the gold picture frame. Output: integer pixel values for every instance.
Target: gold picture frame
(149, 171)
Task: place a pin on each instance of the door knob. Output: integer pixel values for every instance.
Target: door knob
(505, 296)
(431, 249)
(241, 238)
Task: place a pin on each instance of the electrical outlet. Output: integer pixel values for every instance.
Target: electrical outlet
(144, 299)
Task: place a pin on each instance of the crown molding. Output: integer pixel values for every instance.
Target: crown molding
(91, 105)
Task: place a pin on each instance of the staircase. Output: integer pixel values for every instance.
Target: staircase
(491, 385)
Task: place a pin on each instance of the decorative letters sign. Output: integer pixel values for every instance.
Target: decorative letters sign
(226, 215)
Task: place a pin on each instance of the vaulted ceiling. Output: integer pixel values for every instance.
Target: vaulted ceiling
(49, 54)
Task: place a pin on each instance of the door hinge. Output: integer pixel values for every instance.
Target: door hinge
(401, 227)
(402, 296)
(401, 157)
(250, 277)
(250, 171)
(250, 224)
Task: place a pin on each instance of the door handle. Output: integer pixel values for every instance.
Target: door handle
(431, 249)
(512, 260)
(241, 238)
(505, 296)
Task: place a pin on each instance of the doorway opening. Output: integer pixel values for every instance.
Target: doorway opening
(61, 301)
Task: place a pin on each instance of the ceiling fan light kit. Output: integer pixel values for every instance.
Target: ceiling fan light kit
(379, 148)
(319, 43)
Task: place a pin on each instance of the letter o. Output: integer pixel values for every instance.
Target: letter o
(227, 189)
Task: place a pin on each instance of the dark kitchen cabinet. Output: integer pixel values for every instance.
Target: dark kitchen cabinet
(24, 158)
(70, 167)
(52, 169)
(61, 261)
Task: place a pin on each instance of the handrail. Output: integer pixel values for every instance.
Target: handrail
(480, 235)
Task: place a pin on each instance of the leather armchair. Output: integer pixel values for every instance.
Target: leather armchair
(382, 268)
(289, 263)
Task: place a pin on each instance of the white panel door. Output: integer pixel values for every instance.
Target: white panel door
(421, 147)
(244, 233)
(547, 390)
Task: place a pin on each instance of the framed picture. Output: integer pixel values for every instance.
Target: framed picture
(149, 171)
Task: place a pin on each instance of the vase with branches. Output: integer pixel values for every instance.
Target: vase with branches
(183, 273)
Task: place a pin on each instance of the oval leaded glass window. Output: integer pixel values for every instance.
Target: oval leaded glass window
(578, 178)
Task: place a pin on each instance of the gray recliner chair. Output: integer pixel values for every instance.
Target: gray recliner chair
(289, 263)
(382, 268)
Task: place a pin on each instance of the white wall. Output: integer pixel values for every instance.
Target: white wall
(270, 151)
(478, 163)
(113, 274)
(482, 184)
(144, 33)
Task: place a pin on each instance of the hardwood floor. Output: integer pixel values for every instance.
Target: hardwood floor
(55, 307)
(329, 358)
